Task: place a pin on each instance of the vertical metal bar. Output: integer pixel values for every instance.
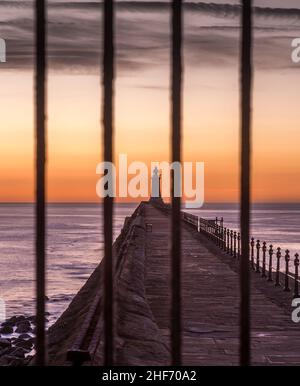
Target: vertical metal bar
(264, 249)
(40, 211)
(228, 243)
(176, 201)
(257, 255)
(287, 273)
(246, 91)
(234, 246)
(252, 243)
(278, 257)
(239, 245)
(108, 94)
(270, 263)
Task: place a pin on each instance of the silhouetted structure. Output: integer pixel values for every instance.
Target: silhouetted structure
(156, 185)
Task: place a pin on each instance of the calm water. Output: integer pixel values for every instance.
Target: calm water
(75, 246)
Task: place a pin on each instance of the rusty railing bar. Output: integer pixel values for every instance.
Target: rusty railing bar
(176, 201)
(40, 178)
(245, 149)
(108, 95)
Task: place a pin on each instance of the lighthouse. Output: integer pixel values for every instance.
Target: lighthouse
(155, 185)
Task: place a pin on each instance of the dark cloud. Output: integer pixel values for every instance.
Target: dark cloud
(143, 35)
(223, 9)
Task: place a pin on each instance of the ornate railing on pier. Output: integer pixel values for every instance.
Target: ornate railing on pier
(262, 256)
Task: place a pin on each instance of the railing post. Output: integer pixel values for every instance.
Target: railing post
(228, 244)
(239, 245)
(257, 255)
(286, 281)
(224, 239)
(296, 284)
(270, 263)
(231, 242)
(264, 249)
(252, 252)
(215, 233)
(278, 255)
(221, 235)
(234, 244)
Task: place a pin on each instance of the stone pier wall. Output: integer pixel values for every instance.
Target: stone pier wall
(137, 337)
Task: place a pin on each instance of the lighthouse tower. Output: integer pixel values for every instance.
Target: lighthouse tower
(155, 185)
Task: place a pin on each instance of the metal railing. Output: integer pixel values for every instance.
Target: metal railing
(261, 257)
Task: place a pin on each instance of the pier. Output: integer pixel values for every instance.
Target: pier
(210, 302)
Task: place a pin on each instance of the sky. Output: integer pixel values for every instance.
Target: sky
(142, 109)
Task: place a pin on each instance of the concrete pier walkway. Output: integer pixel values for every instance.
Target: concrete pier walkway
(211, 302)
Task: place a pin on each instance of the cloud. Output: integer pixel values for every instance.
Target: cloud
(143, 35)
(223, 9)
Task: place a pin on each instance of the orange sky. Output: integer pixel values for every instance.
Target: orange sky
(211, 117)
(210, 134)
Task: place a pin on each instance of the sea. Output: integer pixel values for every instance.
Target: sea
(75, 246)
